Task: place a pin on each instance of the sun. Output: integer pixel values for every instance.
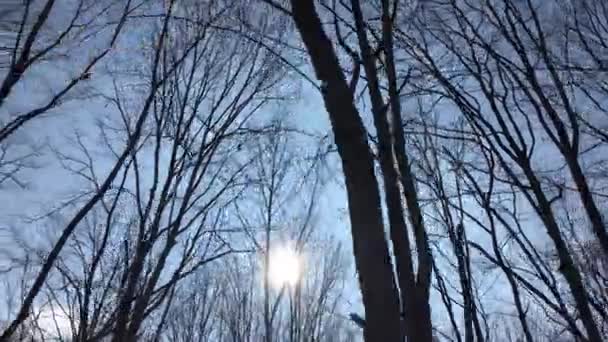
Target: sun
(54, 324)
(285, 267)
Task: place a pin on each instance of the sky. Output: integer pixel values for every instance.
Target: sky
(49, 185)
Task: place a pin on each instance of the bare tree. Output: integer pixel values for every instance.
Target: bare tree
(525, 104)
(471, 136)
(382, 299)
(49, 38)
(509, 77)
(132, 142)
(277, 213)
(171, 183)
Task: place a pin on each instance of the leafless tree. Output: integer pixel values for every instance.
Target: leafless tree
(520, 82)
(512, 78)
(471, 136)
(244, 303)
(168, 188)
(132, 142)
(43, 38)
(371, 50)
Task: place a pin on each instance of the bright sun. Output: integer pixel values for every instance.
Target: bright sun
(285, 267)
(54, 324)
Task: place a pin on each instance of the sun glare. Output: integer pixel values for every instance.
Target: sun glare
(53, 324)
(285, 267)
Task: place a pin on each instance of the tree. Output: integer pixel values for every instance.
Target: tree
(35, 39)
(382, 299)
(512, 80)
(245, 302)
(471, 136)
(169, 185)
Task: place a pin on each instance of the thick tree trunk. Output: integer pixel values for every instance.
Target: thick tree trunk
(380, 296)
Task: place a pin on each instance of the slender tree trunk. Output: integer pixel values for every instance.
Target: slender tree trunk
(395, 171)
(390, 175)
(380, 296)
(568, 268)
(17, 67)
(595, 217)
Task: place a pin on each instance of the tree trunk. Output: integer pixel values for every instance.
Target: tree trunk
(380, 296)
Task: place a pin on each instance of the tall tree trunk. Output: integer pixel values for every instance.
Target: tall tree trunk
(396, 171)
(380, 296)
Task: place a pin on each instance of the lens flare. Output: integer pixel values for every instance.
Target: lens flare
(285, 267)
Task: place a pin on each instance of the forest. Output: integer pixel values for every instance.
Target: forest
(303, 170)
